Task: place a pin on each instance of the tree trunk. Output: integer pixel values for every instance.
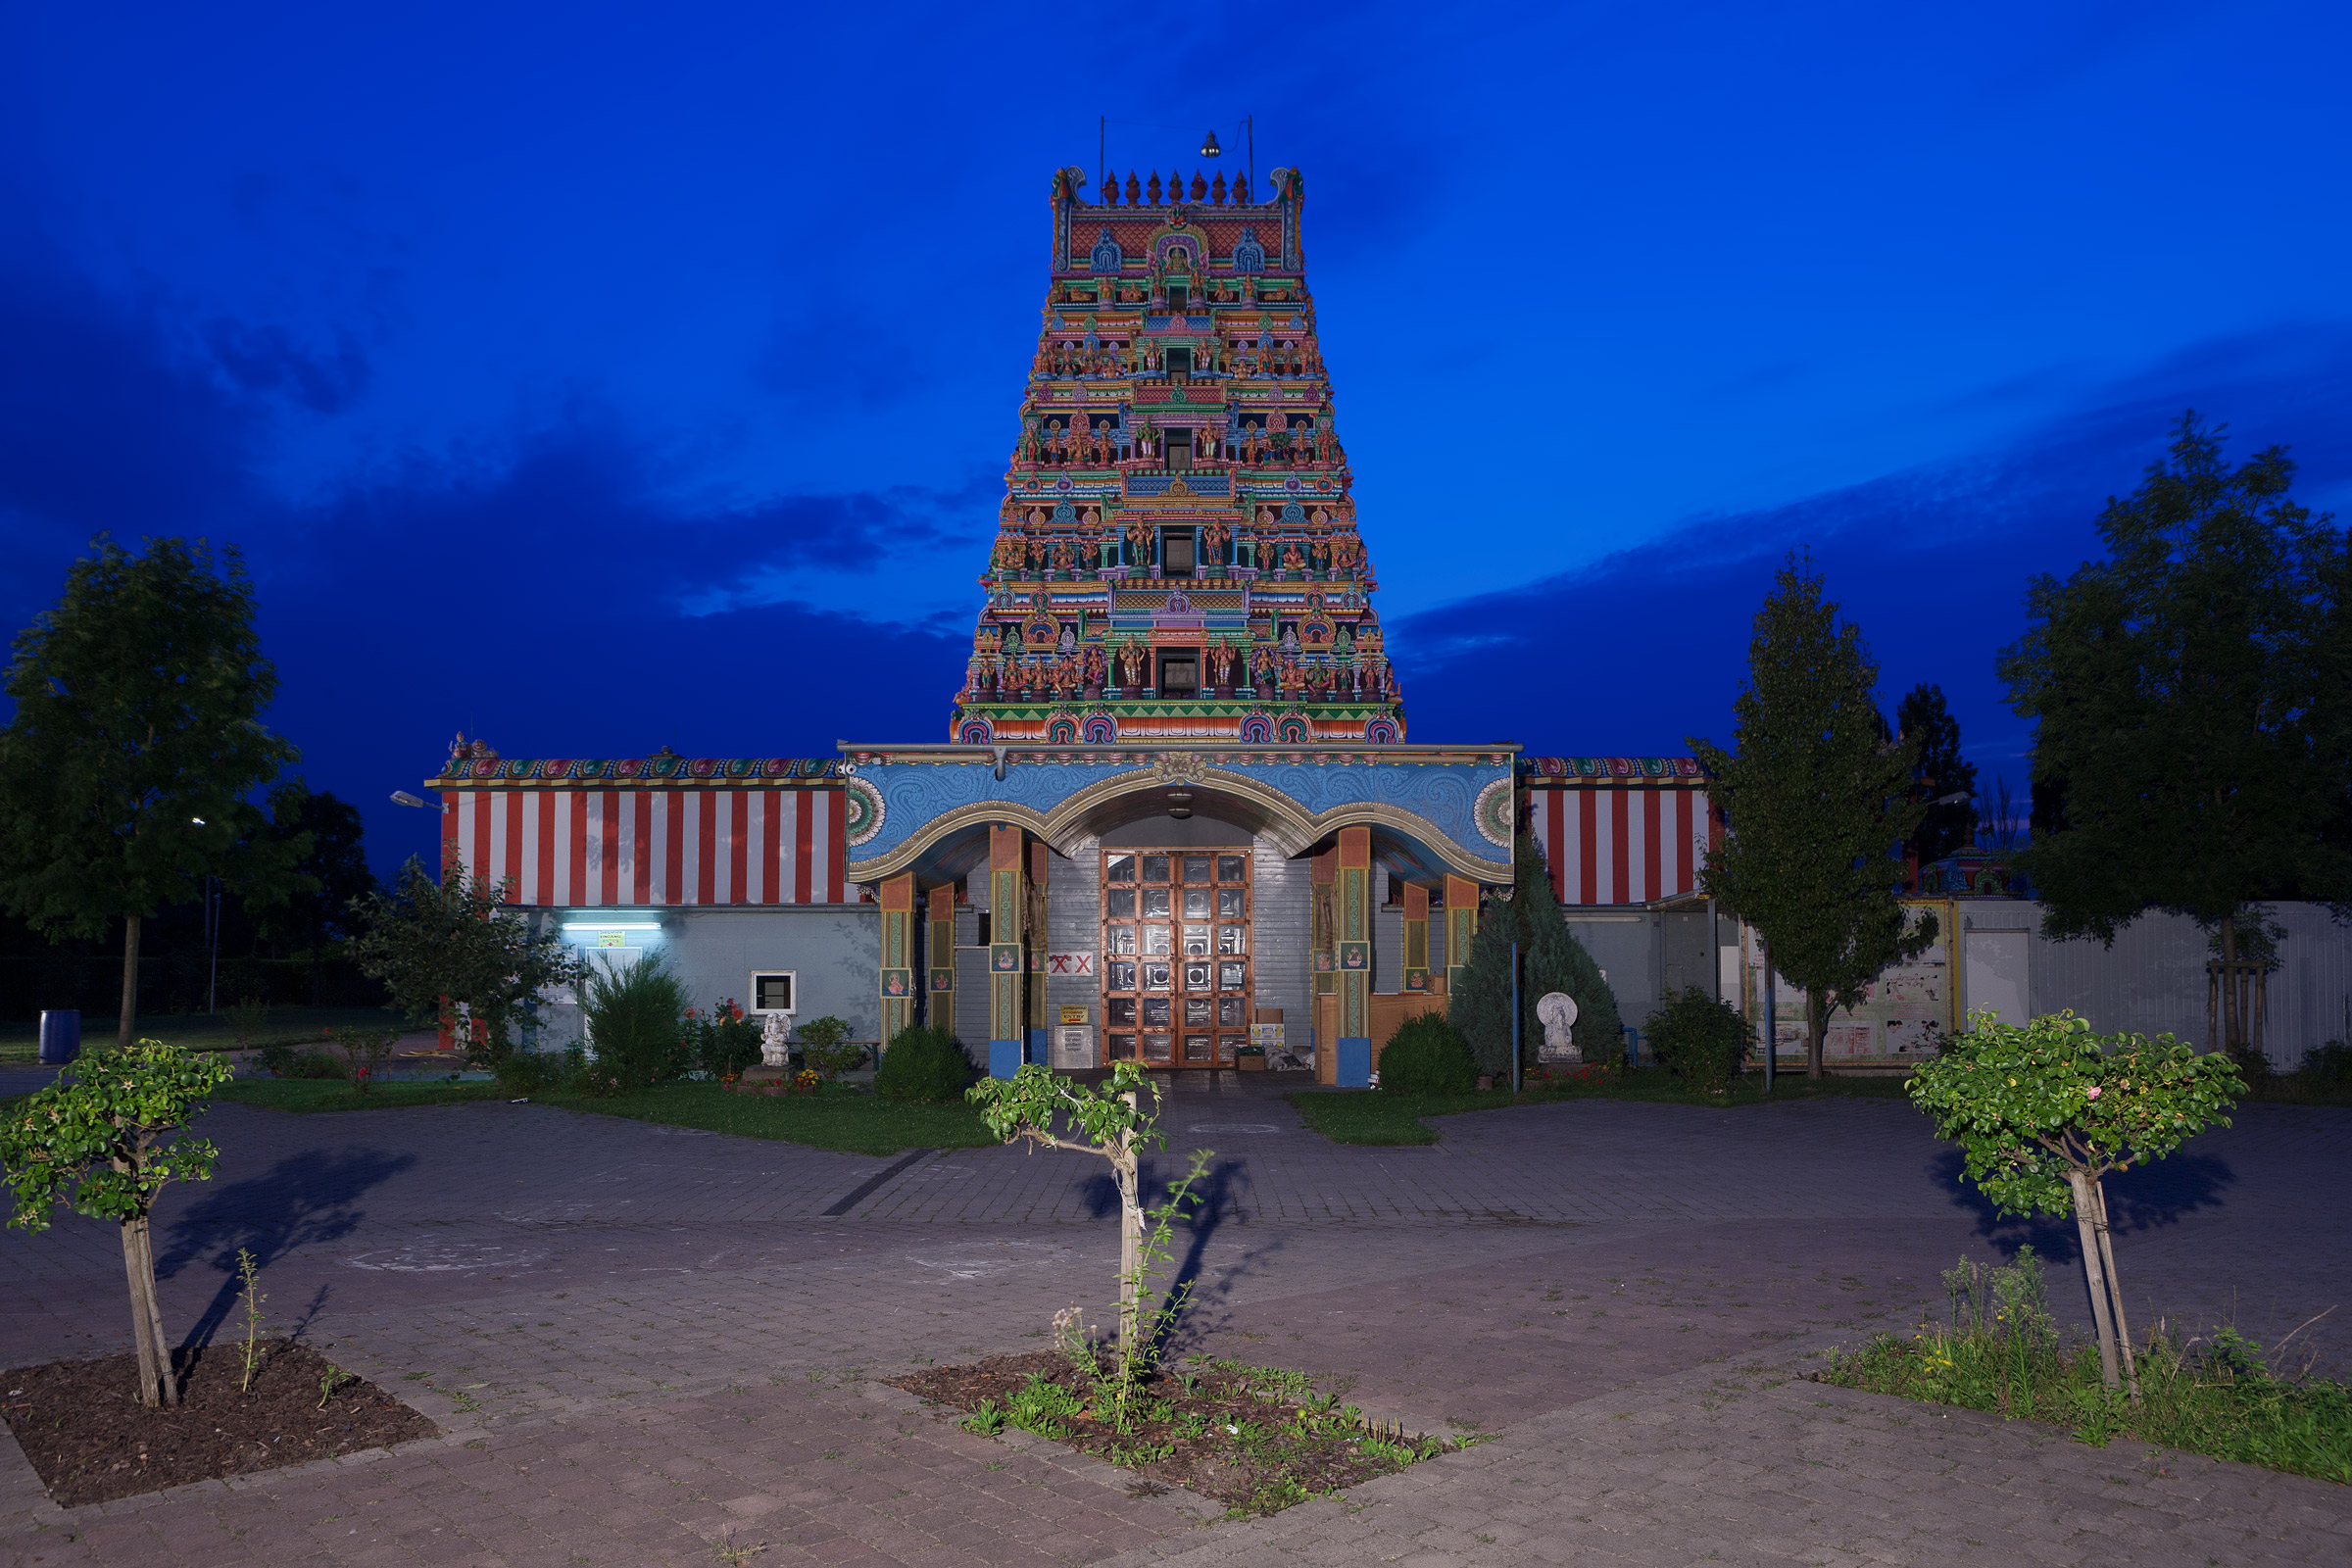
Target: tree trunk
(143, 1336)
(130, 982)
(2115, 1290)
(155, 1313)
(2094, 1272)
(1817, 1028)
(1131, 1240)
(2231, 1039)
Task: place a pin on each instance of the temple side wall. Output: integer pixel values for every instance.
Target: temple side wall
(833, 949)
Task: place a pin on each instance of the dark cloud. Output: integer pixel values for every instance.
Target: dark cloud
(265, 358)
(1649, 646)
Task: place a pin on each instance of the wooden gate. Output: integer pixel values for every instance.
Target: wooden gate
(1176, 944)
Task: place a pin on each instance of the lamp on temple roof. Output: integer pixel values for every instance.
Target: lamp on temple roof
(1209, 147)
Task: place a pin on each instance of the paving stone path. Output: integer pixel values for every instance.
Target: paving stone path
(646, 1345)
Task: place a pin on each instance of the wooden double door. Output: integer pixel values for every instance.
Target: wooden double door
(1176, 956)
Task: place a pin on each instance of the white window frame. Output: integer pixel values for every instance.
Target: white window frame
(751, 992)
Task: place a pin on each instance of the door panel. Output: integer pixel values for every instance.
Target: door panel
(1176, 944)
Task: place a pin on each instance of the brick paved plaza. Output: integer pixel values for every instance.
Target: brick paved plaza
(645, 1345)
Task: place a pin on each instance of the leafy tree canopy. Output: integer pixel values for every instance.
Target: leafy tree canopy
(136, 740)
(455, 944)
(334, 861)
(2190, 697)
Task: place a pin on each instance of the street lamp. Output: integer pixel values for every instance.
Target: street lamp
(1209, 147)
(403, 798)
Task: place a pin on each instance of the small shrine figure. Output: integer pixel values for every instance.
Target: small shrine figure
(1292, 561)
(1063, 558)
(775, 1039)
(1131, 665)
(1220, 661)
(1321, 550)
(1093, 664)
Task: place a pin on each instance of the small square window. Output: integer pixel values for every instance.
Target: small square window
(1231, 867)
(771, 991)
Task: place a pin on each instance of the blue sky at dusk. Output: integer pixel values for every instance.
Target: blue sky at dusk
(595, 379)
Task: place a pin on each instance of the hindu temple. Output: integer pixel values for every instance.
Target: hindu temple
(1175, 818)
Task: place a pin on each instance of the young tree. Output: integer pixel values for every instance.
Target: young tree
(98, 1142)
(136, 739)
(1107, 1119)
(2191, 697)
(1814, 802)
(2043, 1111)
(335, 862)
(456, 954)
(1940, 772)
(1552, 959)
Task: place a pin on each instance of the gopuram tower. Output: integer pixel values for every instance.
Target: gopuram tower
(1177, 555)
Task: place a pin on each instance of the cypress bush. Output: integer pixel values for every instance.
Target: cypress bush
(925, 1063)
(1427, 1056)
(1553, 960)
(635, 1020)
(1700, 1040)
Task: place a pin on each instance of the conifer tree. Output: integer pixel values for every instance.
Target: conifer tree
(1815, 802)
(1940, 774)
(1553, 959)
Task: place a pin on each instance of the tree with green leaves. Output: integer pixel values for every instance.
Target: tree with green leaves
(136, 741)
(456, 954)
(2042, 1111)
(1551, 958)
(334, 862)
(2191, 698)
(1814, 801)
(101, 1142)
(1939, 772)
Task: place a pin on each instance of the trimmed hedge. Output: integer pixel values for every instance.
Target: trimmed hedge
(1427, 1056)
(923, 1063)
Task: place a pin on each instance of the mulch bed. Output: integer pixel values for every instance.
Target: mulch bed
(82, 1424)
(1254, 1439)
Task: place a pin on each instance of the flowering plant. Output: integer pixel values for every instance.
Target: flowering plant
(805, 1081)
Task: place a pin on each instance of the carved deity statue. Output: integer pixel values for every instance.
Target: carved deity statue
(775, 1036)
(1131, 665)
(1556, 1012)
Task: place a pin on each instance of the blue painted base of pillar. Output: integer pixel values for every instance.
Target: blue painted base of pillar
(1041, 1048)
(1003, 1057)
(1353, 1063)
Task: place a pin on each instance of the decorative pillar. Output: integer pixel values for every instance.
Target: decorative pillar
(1323, 954)
(939, 951)
(1461, 924)
(898, 954)
(1354, 901)
(1417, 939)
(1006, 974)
(1040, 859)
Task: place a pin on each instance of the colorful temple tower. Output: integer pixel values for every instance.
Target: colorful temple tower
(1175, 820)
(1177, 556)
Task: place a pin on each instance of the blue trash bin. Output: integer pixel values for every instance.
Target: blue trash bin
(60, 1036)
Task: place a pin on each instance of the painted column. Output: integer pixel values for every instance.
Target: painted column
(1038, 932)
(939, 951)
(1461, 924)
(1323, 937)
(1354, 909)
(898, 954)
(1005, 965)
(1417, 939)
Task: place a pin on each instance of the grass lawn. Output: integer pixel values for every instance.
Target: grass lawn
(1375, 1117)
(21, 1038)
(837, 1118)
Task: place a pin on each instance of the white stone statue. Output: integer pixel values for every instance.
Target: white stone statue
(775, 1031)
(1556, 1012)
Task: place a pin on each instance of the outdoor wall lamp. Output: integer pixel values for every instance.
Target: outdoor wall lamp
(403, 798)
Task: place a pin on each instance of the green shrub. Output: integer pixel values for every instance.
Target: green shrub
(529, 1072)
(2328, 1066)
(923, 1063)
(1700, 1040)
(293, 1062)
(721, 1041)
(634, 1020)
(823, 1049)
(1427, 1056)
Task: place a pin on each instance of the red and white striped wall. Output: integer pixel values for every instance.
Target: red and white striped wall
(1620, 846)
(573, 848)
